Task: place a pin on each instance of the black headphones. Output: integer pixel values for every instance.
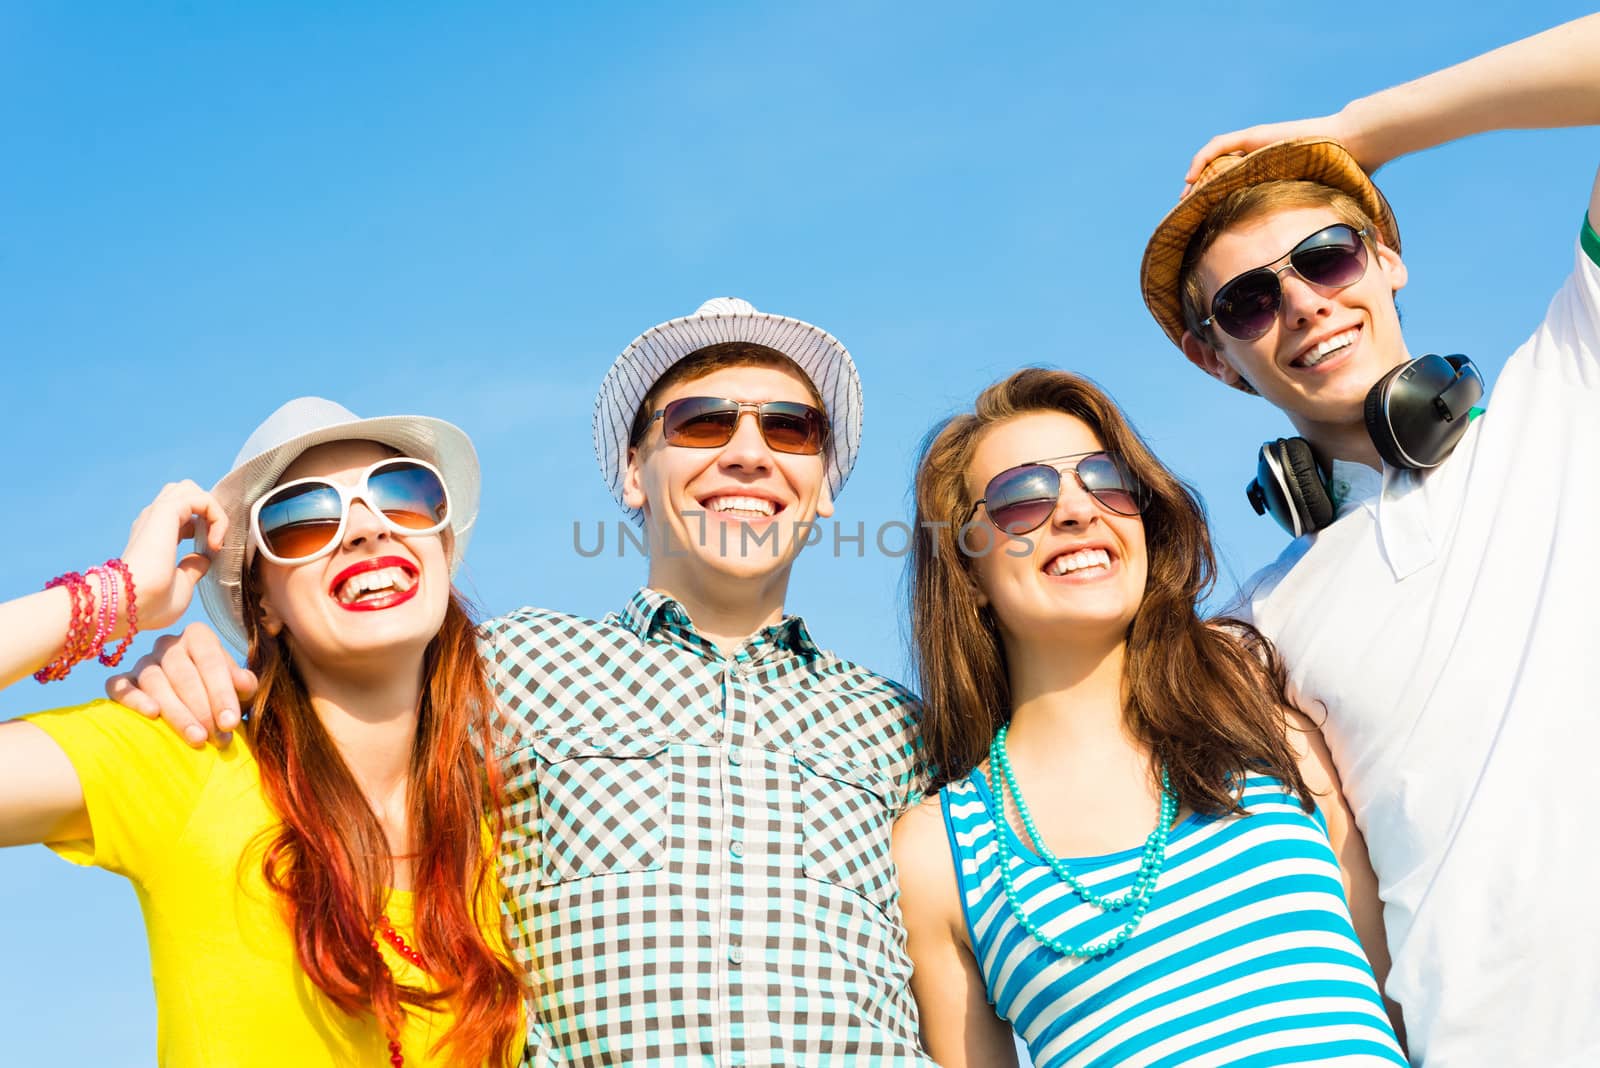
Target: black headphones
(1415, 415)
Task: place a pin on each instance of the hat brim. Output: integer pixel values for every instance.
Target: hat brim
(440, 443)
(1311, 159)
(815, 351)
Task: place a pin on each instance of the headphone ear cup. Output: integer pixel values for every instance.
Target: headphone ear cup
(1417, 412)
(1290, 488)
(1377, 420)
(1307, 491)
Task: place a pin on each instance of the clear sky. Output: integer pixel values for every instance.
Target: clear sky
(467, 211)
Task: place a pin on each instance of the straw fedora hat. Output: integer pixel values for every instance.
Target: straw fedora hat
(1311, 159)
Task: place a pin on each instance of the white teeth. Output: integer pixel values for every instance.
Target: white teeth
(379, 580)
(753, 506)
(1067, 563)
(1328, 347)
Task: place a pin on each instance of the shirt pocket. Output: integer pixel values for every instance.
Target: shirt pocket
(847, 814)
(603, 804)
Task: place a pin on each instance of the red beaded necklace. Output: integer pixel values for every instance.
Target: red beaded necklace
(393, 937)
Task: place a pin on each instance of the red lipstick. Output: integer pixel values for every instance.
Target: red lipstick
(387, 600)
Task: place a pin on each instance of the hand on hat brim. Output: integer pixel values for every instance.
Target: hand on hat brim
(1243, 142)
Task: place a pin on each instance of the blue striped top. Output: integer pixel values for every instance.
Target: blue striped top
(1247, 956)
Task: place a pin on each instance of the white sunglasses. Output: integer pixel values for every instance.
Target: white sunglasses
(304, 520)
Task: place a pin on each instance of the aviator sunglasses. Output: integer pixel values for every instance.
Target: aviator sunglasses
(302, 520)
(1246, 306)
(1021, 499)
(710, 423)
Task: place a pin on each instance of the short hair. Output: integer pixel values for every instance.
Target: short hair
(1243, 205)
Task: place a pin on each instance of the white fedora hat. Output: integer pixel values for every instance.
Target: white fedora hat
(297, 426)
(818, 353)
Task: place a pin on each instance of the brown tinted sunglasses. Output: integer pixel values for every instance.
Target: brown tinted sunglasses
(711, 422)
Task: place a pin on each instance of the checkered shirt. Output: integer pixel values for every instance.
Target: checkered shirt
(697, 849)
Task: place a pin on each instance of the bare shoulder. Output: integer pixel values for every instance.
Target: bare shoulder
(1316, 764)
(922, 859)
(1311, 751)
(919, 832)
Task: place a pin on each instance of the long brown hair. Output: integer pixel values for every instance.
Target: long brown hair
(330, 862)
(1206, 698)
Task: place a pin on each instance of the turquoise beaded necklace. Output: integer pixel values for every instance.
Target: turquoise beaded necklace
(1137, 898)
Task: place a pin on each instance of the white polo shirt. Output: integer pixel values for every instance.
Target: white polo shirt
(1448, 623)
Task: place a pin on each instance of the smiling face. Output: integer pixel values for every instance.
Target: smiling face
(1085, 574)
(376, 596)
(1326, 347)
(720, 517)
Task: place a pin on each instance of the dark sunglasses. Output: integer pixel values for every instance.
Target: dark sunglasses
(710, 423)
(1021, 499)
(305, 519)
(1247, 306)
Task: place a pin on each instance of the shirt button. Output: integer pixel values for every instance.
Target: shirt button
(735, 755)
(736, 954)
(733, 671)
(737, 849)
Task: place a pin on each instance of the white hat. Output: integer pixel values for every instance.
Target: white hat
(721, 319)
(297, 426)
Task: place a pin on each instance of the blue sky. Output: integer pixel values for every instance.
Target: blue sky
(468, 211)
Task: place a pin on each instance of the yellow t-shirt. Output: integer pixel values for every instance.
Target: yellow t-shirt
(185, 827)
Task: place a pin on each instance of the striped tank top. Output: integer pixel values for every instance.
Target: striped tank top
(1246, 957)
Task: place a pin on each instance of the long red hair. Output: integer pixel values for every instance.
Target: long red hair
(330, 862)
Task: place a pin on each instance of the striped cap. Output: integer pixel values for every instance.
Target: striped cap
(818, 353)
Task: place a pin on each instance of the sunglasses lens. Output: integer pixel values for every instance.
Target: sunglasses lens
(792, 428)
(300, 521)
(1021, 500)
(1335, 257)
(710, 423)
(699, 422)
(1022, 517)
(410, 495)
(1246, 306)
(1112, 484)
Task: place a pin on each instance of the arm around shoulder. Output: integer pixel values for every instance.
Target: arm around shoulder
(959, 1026)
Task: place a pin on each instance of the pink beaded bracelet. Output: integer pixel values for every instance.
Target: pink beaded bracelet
(78, 627)
(116, 566)
(90, 622)
(106, 607)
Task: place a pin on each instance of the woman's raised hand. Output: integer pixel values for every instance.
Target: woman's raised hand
(163, 582)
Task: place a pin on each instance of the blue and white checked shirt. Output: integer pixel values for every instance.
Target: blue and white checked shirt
(697, 847)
